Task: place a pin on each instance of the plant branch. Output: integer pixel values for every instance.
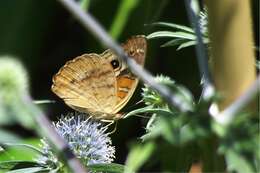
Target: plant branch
(200, 49)
(97, 30)
(226, 116)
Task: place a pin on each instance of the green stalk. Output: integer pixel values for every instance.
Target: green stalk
(84, 4)
(119, 22)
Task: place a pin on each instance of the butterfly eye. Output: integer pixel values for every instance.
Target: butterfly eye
(115, 63)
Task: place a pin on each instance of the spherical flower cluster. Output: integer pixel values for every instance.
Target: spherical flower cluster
(86, 137)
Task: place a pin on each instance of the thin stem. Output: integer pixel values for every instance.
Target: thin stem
(122, 15)
(97, 30)
(200, 48)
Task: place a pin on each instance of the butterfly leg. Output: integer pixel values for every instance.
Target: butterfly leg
(114, 130)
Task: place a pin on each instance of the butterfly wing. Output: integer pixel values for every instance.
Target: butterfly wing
(90, 83)
(87, 84)
(126, 82)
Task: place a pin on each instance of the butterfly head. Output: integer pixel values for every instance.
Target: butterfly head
(135, 47)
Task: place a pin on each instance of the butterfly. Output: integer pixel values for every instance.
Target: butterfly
(100, 84)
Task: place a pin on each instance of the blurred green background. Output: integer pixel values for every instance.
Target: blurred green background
(43, 35)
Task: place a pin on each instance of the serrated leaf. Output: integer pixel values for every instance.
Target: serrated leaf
(160, 34)
(175, 26)
(107, 167)
(138, 156)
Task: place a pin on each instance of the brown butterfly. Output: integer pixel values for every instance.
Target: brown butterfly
(100, 84)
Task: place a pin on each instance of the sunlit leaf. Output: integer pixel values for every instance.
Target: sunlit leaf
(25, 151)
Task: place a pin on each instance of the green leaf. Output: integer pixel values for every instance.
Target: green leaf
(26, 146)
(17, 164)
(23, 152)
(138, 156)
(173, 42)
(108, 167)
(29, 170)
(175, 26)
(237, 163)
(187, 44)
(160, 34)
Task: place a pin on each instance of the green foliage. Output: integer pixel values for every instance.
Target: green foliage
(237, 143)
(183, 36)
(24, 160)
(240, 144)
(138, 156)
(23, 150)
